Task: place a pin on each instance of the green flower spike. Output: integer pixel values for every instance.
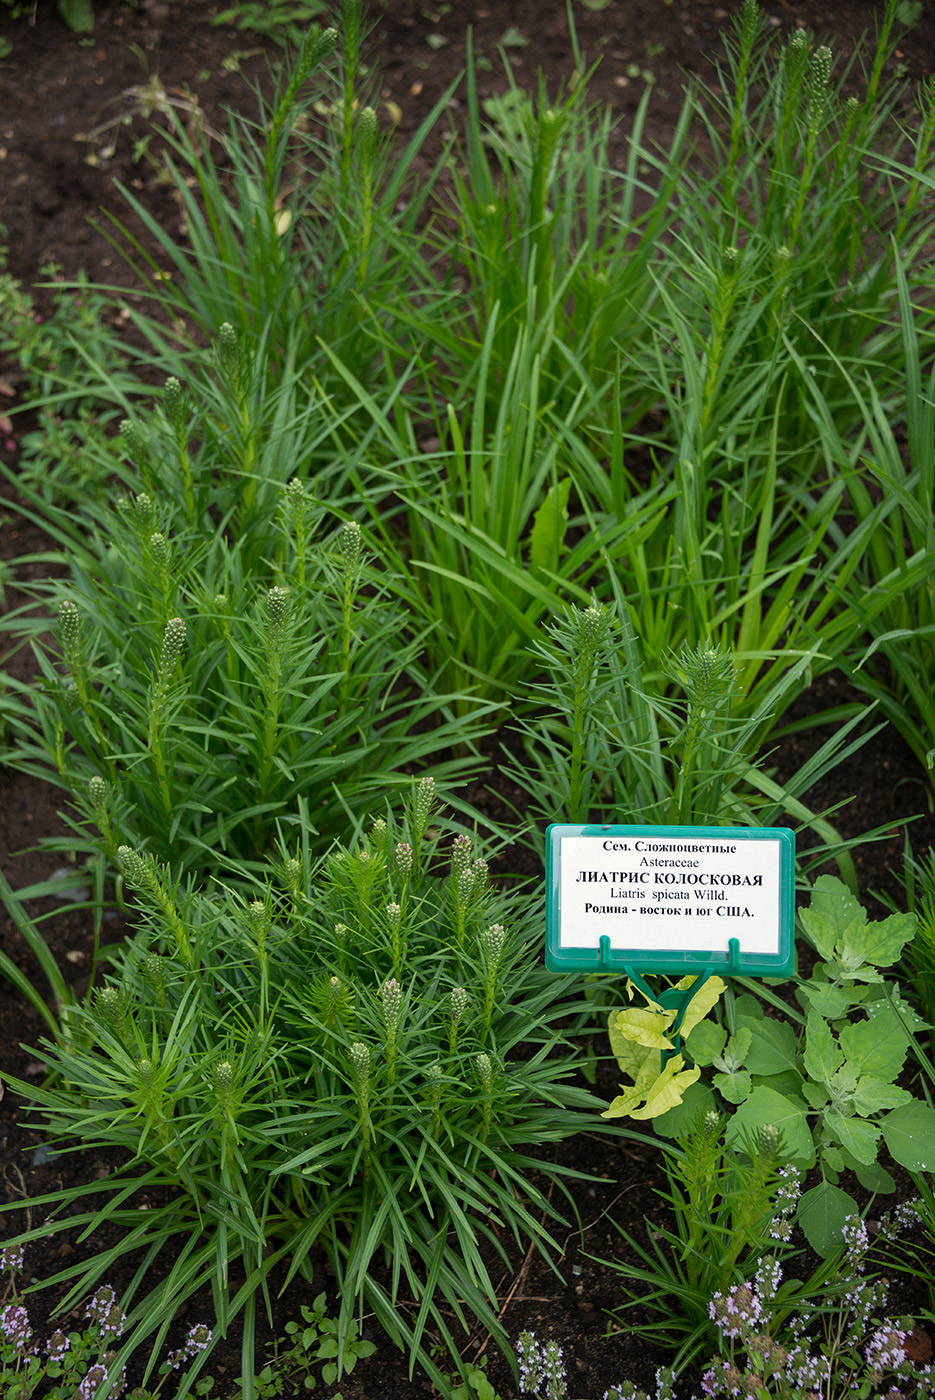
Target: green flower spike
(160, 548)
(360, 1061)
(223, 1081)
(402, 856)
(350, 542)
(69, 624)
(491, 942)
(392, 997)
(277, 609)
(134, 867)
(97, 797)
(174, 399)
(133, 439)
(460, 854)
(458, 1003)
(425, 799)
(173, 640)
(112, 1010)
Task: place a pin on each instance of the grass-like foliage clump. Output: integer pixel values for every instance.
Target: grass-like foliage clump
(352, 1062)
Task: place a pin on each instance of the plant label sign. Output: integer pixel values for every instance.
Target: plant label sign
(670, 899)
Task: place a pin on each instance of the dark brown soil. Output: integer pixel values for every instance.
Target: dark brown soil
(55, 89)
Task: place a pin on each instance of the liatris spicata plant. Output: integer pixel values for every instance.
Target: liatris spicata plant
(319, 1041)
(208, 702)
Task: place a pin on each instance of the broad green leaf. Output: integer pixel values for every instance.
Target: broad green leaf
(882, 942)
(706, 1042)
(856, 1135)
(834, 901)
(734, 1085)
(832, 911)
(78, 15)
(748, 1008)
(837, 925)
(874, 1178)
(873, 1096)
(549, 528)
(832, 1001)
(765, 1107)
(790, 1083)
(737, 1049)
(907, 1014)
(816, 1095)
(877, 1046)
(772, 1045)
(822, 1054)
(822, 1212)
(833, 1158)
(909, 1133)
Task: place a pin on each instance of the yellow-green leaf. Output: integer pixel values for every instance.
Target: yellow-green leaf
(704, 1000)
(665, 1092)
(643, 1025)
(633, 1058)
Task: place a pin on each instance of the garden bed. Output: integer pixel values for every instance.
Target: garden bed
(53, 86)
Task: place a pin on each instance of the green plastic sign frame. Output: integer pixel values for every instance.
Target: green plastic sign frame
(672, 899)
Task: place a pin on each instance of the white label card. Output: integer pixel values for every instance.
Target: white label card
(670, 893)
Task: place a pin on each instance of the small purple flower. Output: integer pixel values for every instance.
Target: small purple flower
(57, 1345)
(768, 1276)
(96, 1377)
(736, 1313)
(14, 1324)
(856, 1242)
(886, 1350)
(198, 1339)
(92, 1382)
(553, 1371)
(530, 1363)
(106, 1312)
(11, 1258)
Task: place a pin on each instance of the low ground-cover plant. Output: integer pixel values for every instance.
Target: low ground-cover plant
(77, 1364)
(780, 1339)
(820, 1076)
(352, 1059)
(727, 1271)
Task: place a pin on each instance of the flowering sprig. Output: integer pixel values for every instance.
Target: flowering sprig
(847, 1350)
(541, 1368)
